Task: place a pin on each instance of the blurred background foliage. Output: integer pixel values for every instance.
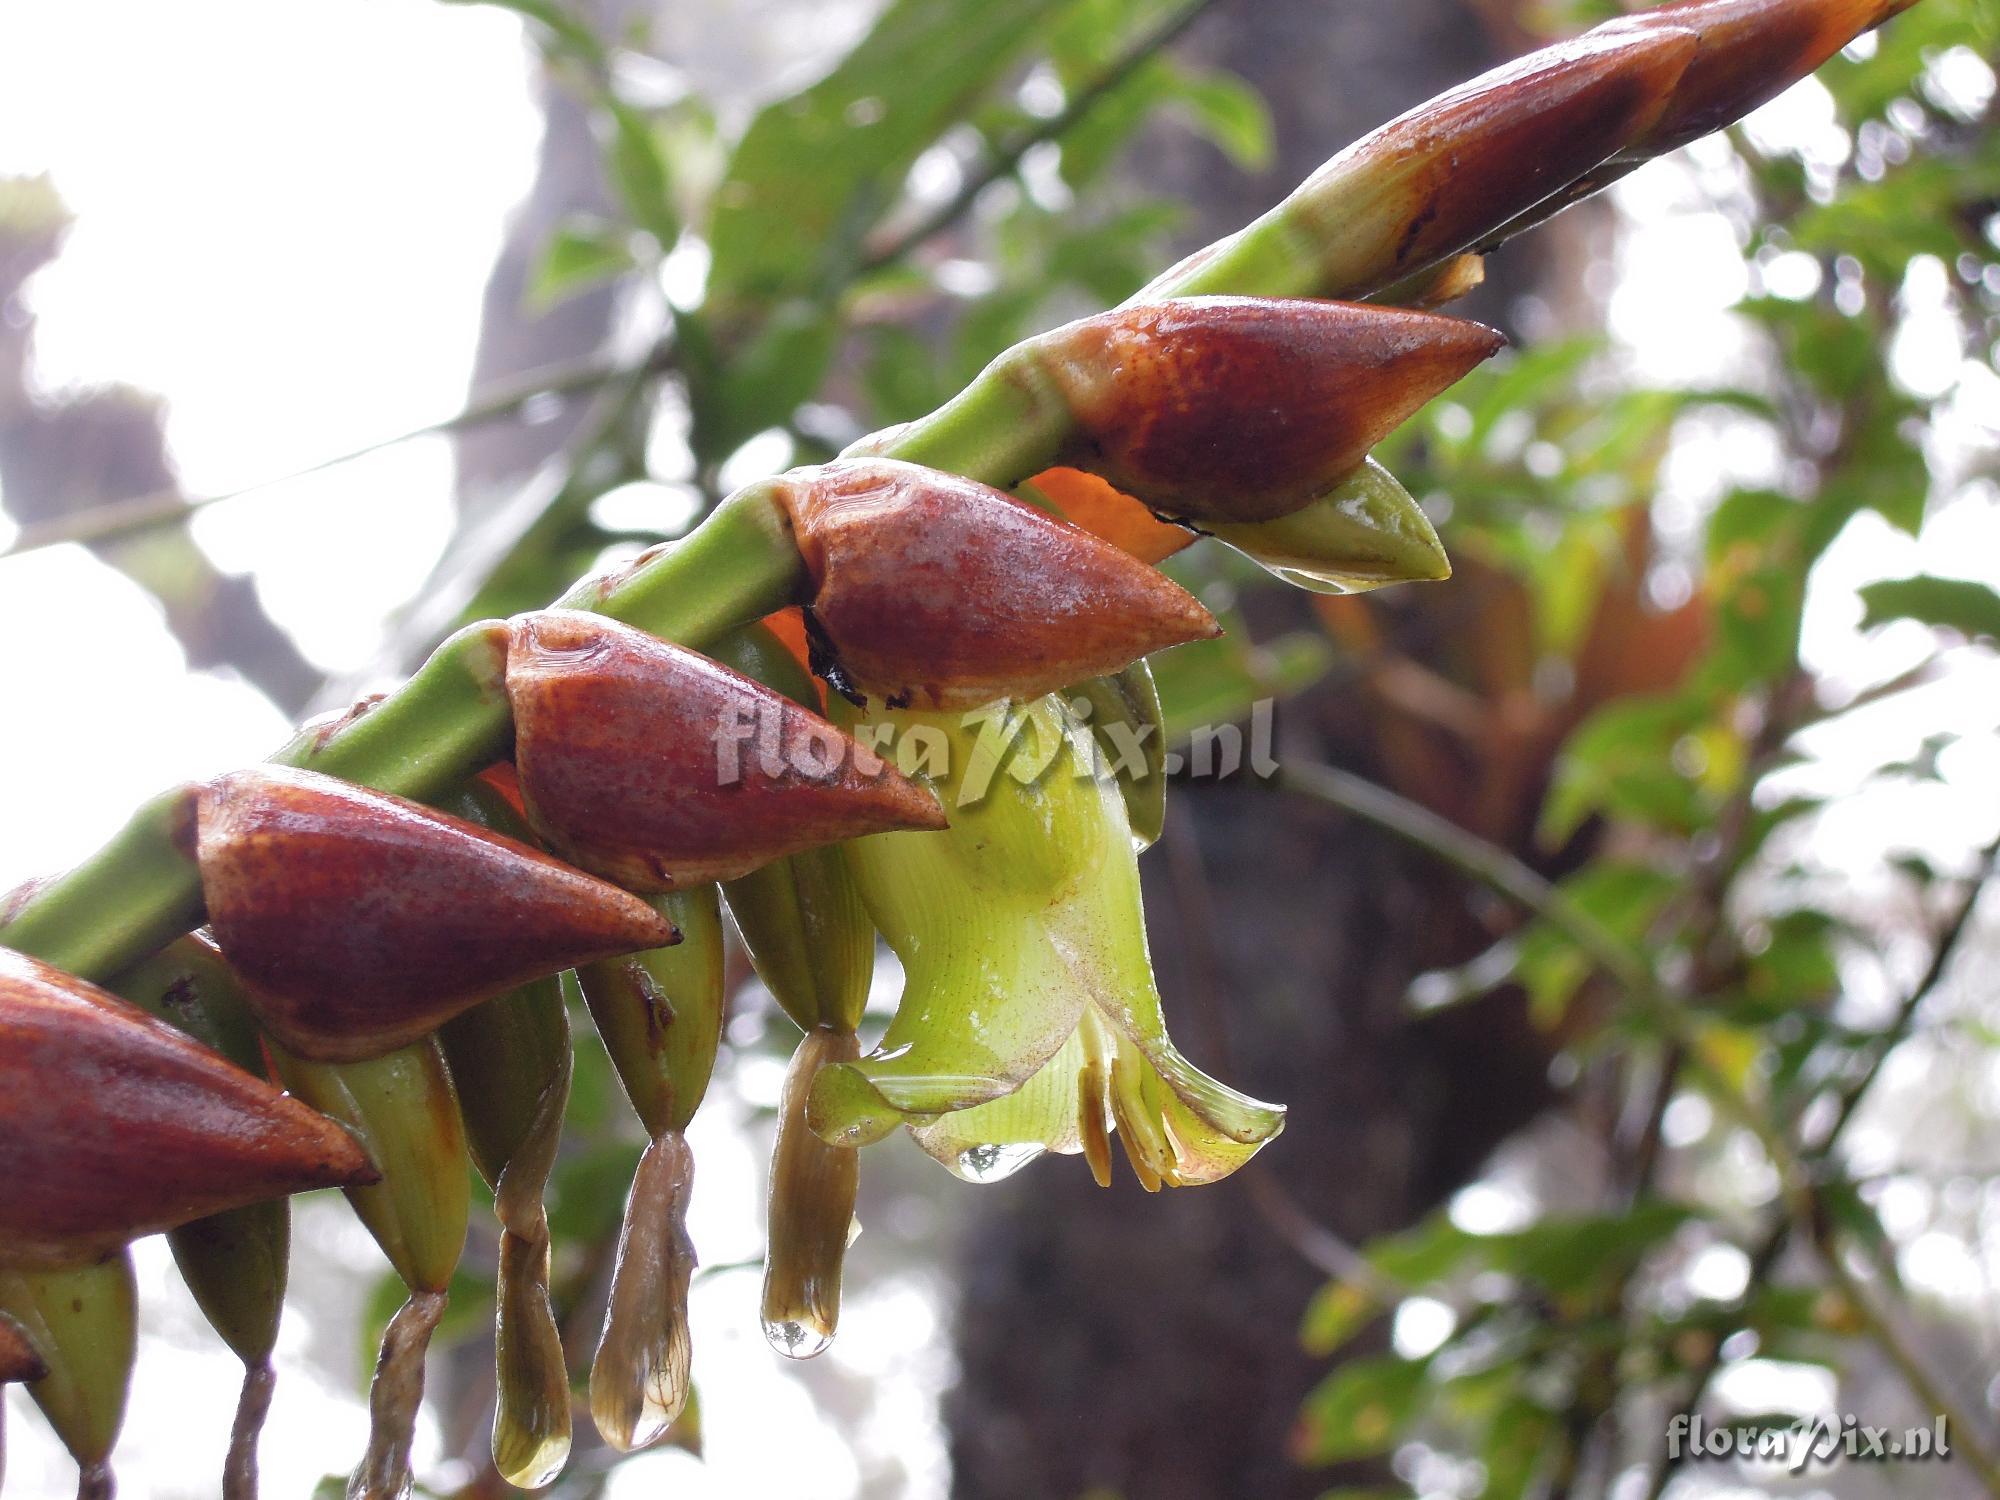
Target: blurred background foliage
(1613, 924)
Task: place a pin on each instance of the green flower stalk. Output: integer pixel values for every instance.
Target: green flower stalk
(1030, 1020)
(402, 1108)
(82, 1325)
(660, 1016)
(510, 1063)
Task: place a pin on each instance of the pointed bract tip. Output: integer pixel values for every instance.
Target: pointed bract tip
(663, 769)
(1446, 176)
(360, 922)
(1244, 409)
(114, 1125)
(1749, 51)
(936, 591)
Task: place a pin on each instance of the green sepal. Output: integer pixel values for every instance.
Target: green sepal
(83, 1322)
(659, 1013)
(402, 1109)
(1367, 531)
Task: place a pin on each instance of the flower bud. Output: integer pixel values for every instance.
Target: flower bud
(82, 1322)
(934, 589)
(359, 922)
(115, 1125)
(1750, 52)
(1365, 532)
(1244, 409)
(1443, 177)
(661, 768)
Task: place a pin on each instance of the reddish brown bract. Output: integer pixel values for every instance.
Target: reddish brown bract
(939, 591)
(114, 1125)
(1750, 51)
(359, 921)
(662, 769)
(1244, 409)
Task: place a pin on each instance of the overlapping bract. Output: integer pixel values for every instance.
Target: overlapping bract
(114, 1125)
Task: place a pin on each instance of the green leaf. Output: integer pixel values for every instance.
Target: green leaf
(814, 171)
(1360, 1409)
(638, 165)
(1972, 609)
(1230, 115)
(1338, 1311)
(581, 254)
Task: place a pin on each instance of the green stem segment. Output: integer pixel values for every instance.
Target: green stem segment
(447, 722)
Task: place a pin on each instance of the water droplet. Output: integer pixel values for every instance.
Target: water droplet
(991, 1163)
(797, 1338)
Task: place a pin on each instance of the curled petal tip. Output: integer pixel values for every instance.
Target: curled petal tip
(664, 769)
(114, 1124)
(1244, 409)
(361, 922)
(935, 590)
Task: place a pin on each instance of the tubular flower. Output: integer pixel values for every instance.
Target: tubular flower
(1245, 409)
(937, 590)
(359, 921)
(1030, 1020)
(660, 768)
(114, 1125)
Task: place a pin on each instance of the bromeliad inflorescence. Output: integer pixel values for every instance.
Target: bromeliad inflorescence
(389, 907)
